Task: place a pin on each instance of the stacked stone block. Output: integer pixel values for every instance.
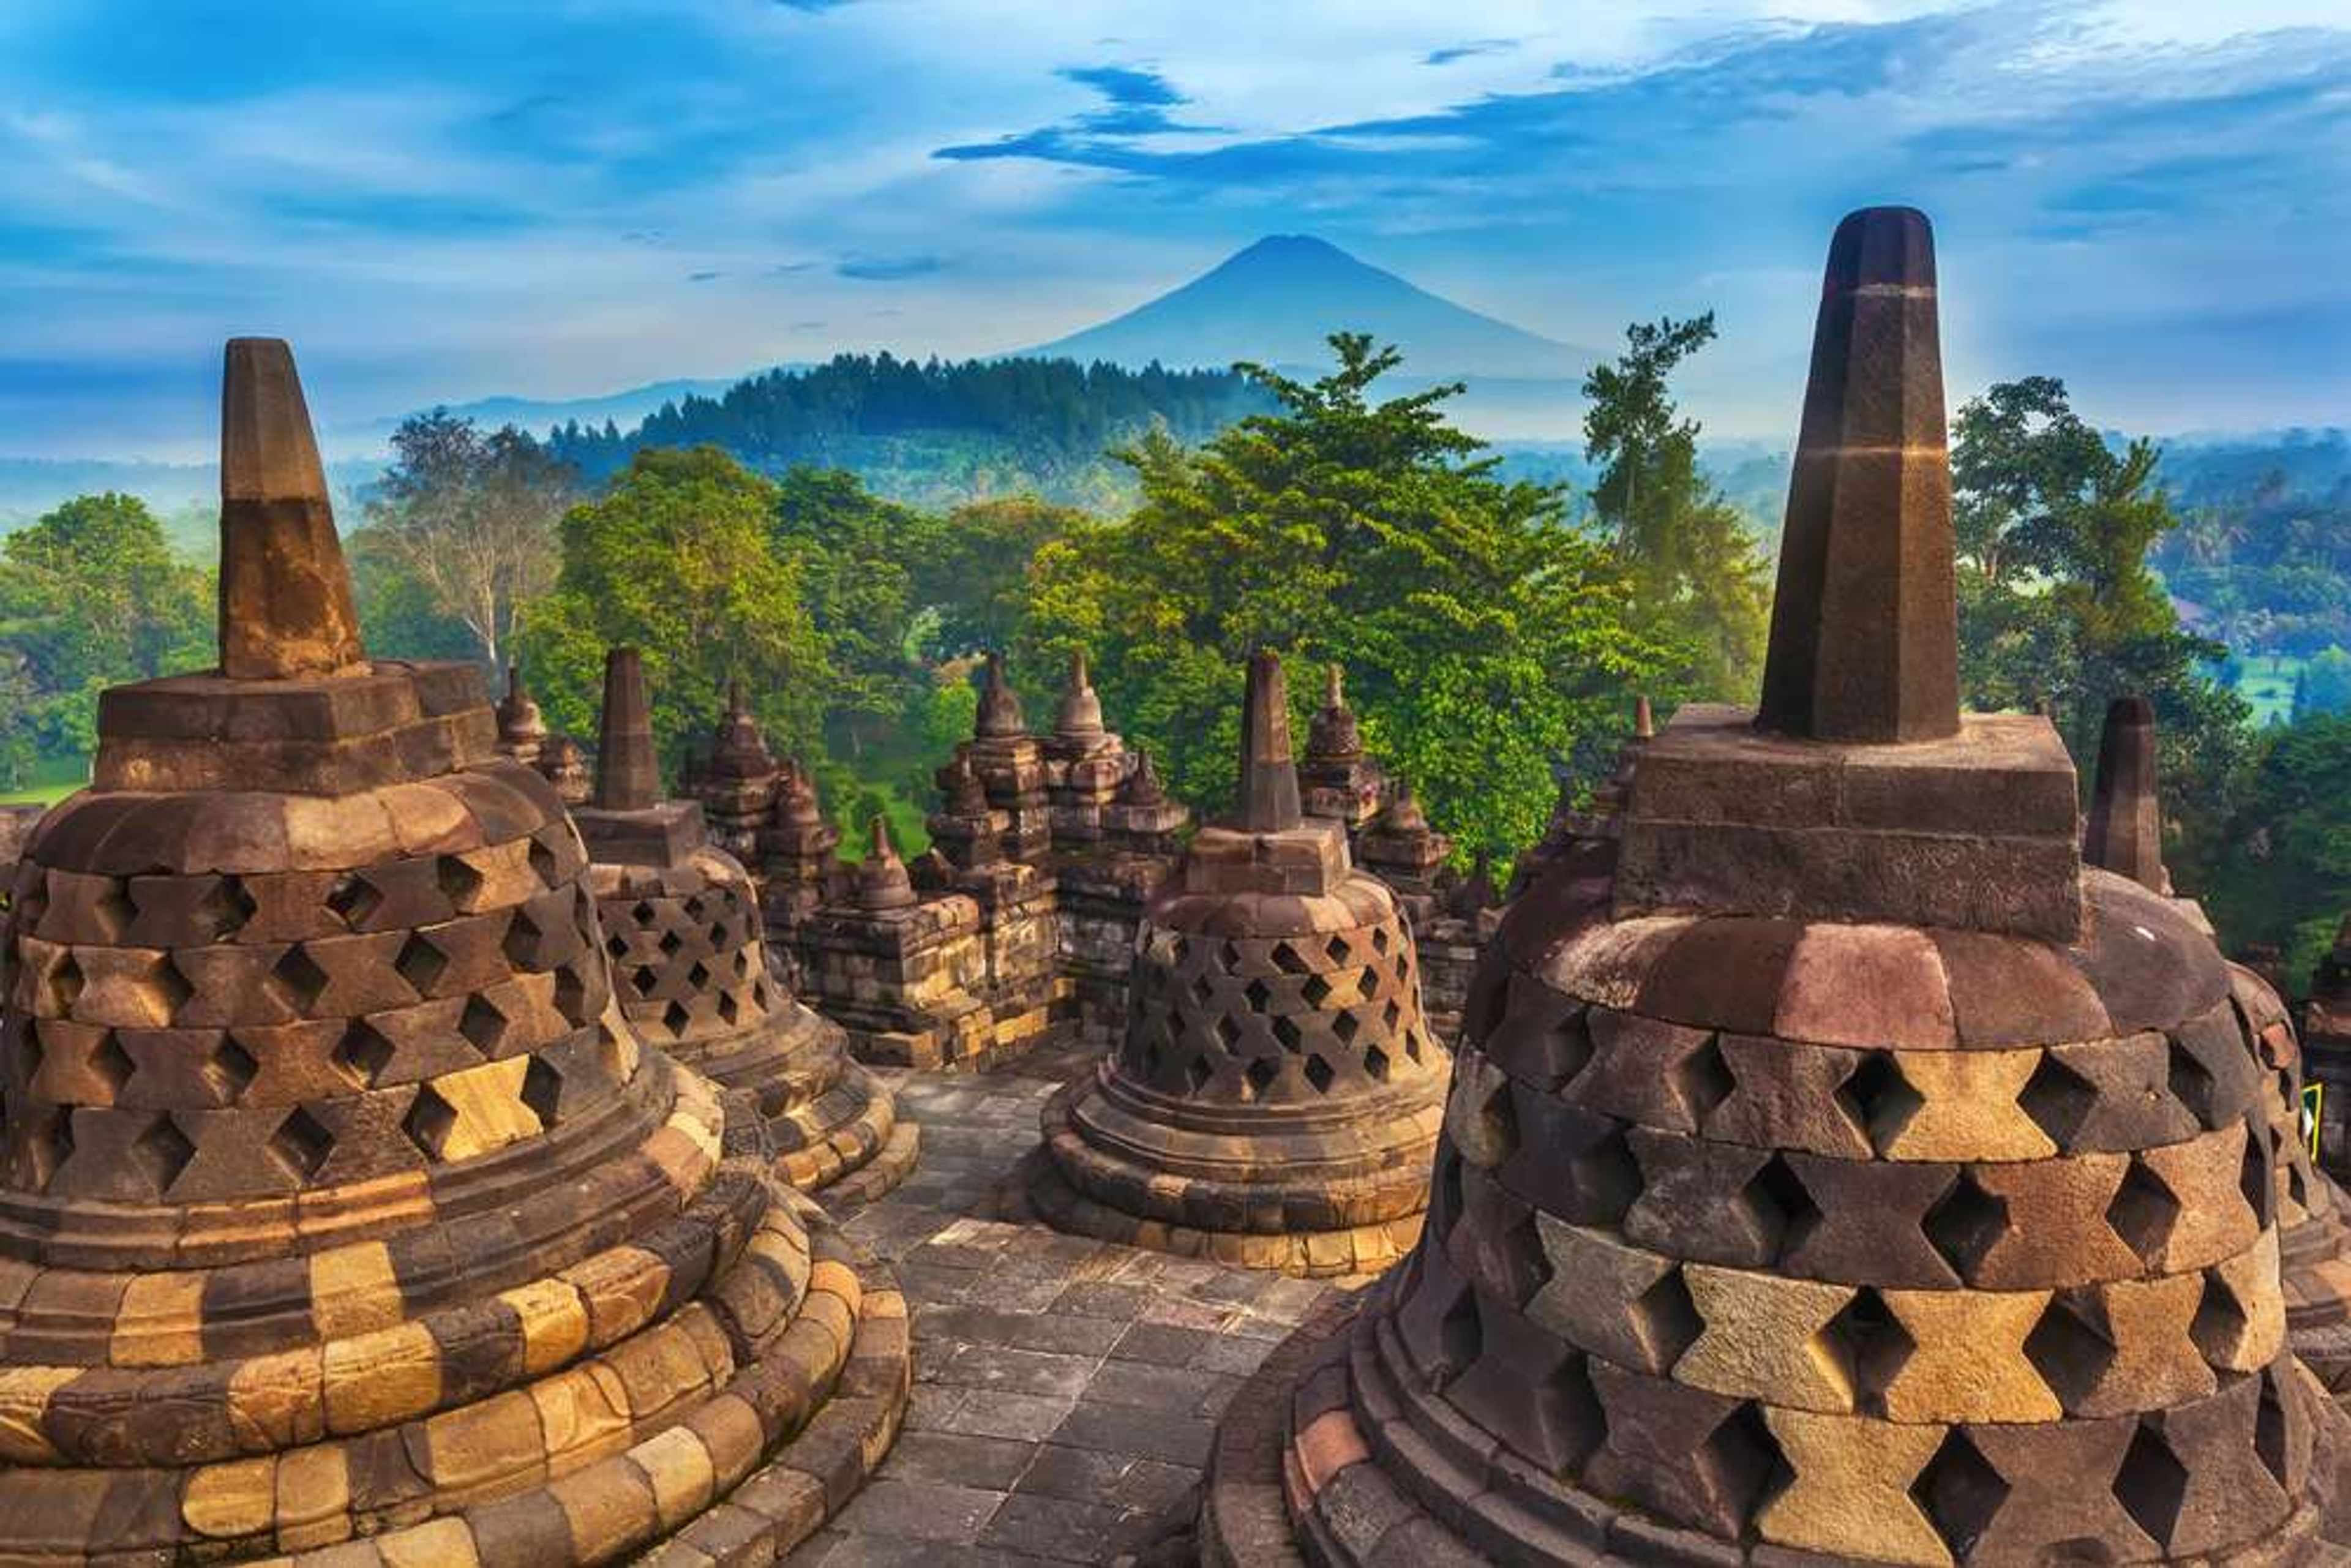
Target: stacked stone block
(900, 972)
(1848, 1177)
(342, 1217)
(1277, 1093)
(1011, 766)
(737, 783)
(1338, 779)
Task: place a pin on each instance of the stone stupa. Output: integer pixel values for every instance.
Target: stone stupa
(1851, 1177)
(342, 1217)
(1277, 1094)
(683, 924)
(2124, 834)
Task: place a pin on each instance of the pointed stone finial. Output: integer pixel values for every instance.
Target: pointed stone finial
(1269, 796)
(738, 750)
(999, 710)
(1141, 787)
(285, 609)
(966, 796)
(521, 729)
(881, 879)
(627, 776)
(1333, 735)
(2125, 834)
(1645, 722)
(1081, 714)
(1403, 814)
(797, 805)
(1865, 624)
(562, 764)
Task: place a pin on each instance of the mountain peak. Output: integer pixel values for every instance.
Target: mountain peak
(1277, 299)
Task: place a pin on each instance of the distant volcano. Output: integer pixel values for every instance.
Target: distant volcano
(1276, 301)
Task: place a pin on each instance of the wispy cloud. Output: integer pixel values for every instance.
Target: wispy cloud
(440, 203)
(886, 268)
(1470, 50)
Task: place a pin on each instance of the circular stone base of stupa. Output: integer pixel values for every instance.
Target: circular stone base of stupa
(1270, 1207)
(692, 972)
(741, 1353)
(1298, 1474)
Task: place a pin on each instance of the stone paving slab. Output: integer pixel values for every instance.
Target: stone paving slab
(1065, 1390)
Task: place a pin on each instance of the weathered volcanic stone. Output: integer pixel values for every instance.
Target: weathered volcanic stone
(1864, 640)
(343, 1217)
(1276, 1094)
(1755, 1235)
(2125, 832)
(683, 922)
(285, 608)
(628, 774)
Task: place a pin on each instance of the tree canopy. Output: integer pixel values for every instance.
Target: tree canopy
(91, 596)
(1696, 570)
(677, 558)
(460, 528)
(1481, 632)
(2058, 604)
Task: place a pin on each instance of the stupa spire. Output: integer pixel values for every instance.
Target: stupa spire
(1864, 624)
(2125, 833)
(1000, 709)
(1269, 795)
(1081, 714)
(285, 608)
(627, 777)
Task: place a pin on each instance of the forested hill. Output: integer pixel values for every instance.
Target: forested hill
(936, 433)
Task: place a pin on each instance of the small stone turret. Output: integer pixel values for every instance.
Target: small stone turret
(563, 764)
(736, 784)
(521, 730)
(1340, 780)
(1275, 1095)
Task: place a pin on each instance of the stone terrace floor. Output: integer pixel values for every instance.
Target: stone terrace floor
(1065, 1390)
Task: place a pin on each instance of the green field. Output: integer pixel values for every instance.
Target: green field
(2267, 682)
(52, 780)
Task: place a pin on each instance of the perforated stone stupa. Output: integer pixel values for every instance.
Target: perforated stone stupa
(683, 924)
(342, 1216)
(2125, 835)
(1850, 1175)
(1277, 1094)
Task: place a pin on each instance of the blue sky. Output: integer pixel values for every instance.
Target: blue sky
(441, 202)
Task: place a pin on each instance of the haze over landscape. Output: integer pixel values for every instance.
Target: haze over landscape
(554, 202)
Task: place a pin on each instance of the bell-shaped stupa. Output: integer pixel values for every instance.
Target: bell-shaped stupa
(1850, 1177)
(683, 922)
(1276, 1095)
(2125, 835)
(343, 1218)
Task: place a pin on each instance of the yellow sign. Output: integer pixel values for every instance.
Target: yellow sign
(2313, 1106)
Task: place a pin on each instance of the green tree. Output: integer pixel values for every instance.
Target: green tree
(2325, 686)
(1482, 633)
(1695, 567)
(975, 581)
(2283, 876)
(2058, 605)
(678, 560)
(852, 555)
(91, 596)
(460, 528)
